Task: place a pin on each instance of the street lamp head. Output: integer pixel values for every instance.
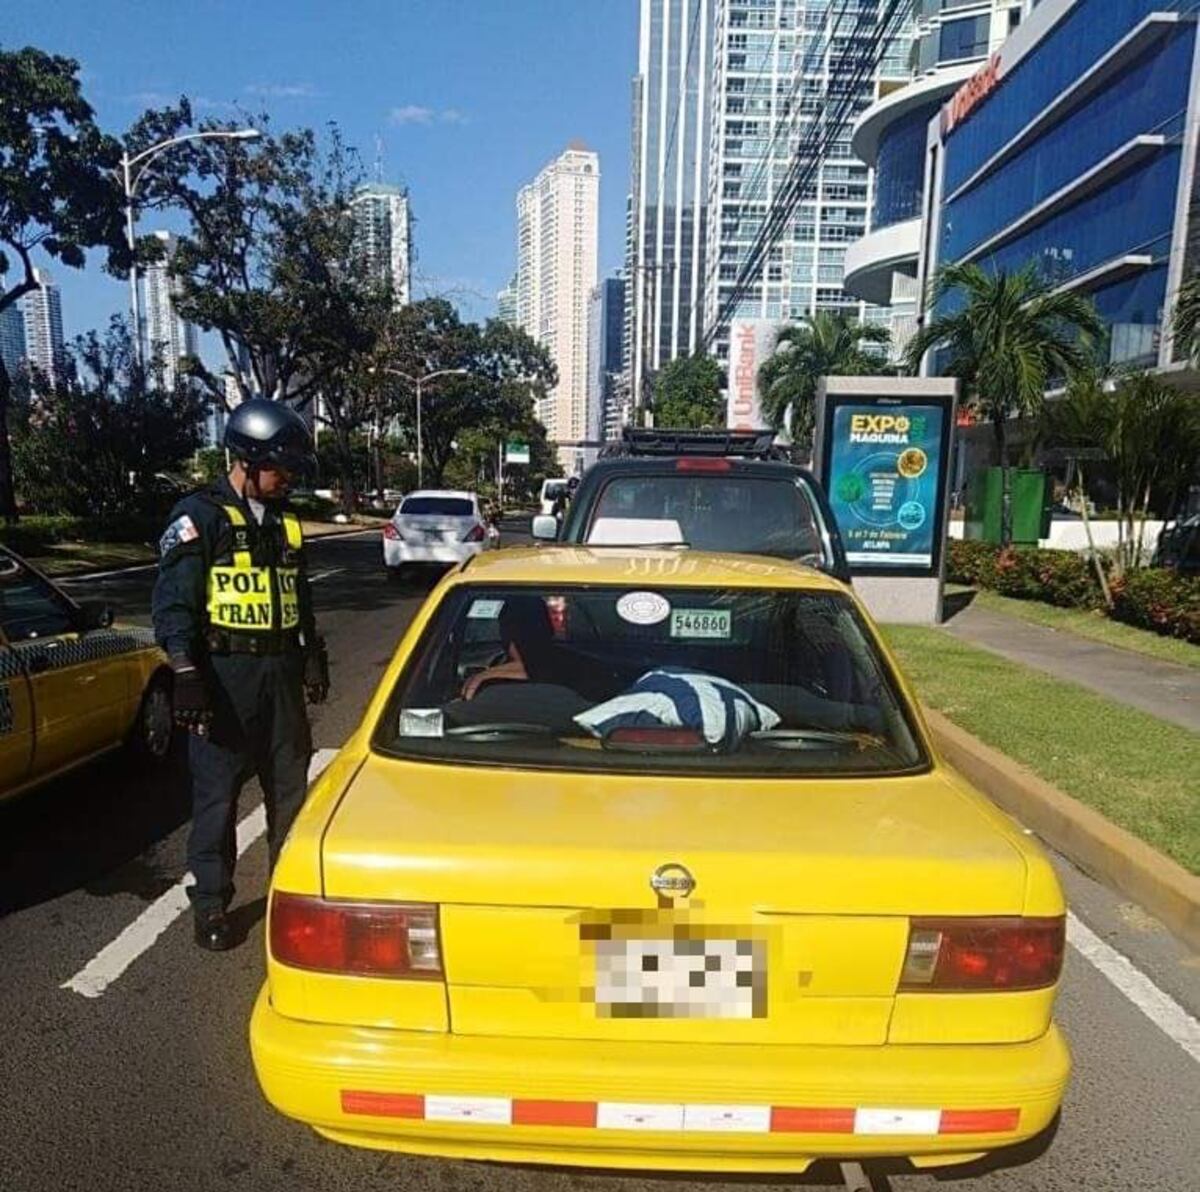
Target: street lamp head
(246, 134)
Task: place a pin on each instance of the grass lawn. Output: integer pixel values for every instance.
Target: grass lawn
(1093, 625)
(1141, 772)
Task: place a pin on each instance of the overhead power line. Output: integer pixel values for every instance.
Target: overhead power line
(811, 151)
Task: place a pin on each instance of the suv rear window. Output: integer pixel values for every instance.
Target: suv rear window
(724, 511)
(751, 681)
(440, 506)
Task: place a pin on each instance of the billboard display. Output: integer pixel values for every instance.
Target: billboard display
(885, 469)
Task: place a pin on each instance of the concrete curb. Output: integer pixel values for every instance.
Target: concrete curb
(1097, 845)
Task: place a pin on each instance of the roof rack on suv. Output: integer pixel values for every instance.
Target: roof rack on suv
(754, 444)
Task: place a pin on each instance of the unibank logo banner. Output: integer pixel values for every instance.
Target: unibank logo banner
(883, 482)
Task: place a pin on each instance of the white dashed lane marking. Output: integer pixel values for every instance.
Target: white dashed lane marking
(1158, 1006)
(114, 958)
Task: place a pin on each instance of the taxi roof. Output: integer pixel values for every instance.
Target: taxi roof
(656, 566)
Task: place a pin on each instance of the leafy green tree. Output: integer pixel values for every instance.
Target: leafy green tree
(1187, 319)
(102, 440)
(58, 194)
(505, 371)
(1148, 436)
(1006, 336)
(268, 261)
(820, 345)
(687, 394)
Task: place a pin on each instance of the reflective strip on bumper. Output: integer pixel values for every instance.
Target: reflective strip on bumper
(735, 1119)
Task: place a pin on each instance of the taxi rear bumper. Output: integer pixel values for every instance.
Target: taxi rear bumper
(717, 1107)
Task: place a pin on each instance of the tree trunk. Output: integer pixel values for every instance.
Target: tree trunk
(1006, 510)
(1097, 562)
(345, 455)
(8, 496)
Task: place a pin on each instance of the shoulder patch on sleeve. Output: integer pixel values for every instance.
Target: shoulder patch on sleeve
(180, 531)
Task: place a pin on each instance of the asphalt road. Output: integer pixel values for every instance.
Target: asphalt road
(150, 1086)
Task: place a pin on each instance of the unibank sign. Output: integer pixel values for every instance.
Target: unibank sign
(970, 95)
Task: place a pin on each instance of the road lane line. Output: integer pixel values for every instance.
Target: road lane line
(312, 579)
(114, 958)
(1158, 1006)
(87, 577)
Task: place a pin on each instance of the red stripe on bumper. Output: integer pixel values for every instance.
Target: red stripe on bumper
(405, 1105)
(554, 1113)
(811, 1121)
(979, 1121)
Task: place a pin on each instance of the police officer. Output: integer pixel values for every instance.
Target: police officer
(233, 610)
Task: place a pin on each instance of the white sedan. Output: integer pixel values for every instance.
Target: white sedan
(436, 527)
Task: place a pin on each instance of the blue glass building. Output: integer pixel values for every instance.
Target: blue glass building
(1078, 153)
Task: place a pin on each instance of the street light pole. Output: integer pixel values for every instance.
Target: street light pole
(417, 383)
(129, 181)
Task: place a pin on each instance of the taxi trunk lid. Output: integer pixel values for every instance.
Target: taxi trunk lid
(795, 932)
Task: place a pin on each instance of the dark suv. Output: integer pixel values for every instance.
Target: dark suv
(711, 490)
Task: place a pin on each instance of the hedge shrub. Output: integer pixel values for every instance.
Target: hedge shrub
(1060, 577)
(1155, 598)
(1160, 600)
(34, 533)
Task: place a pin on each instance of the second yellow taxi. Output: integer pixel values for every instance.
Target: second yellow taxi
(72, 684)
(644, 858)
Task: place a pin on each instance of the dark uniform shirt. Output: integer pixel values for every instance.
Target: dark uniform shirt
(199, 535)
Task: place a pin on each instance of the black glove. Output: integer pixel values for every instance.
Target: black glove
(193, 708)
(316, 672)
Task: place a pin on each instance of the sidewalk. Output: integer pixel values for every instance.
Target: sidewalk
(1160, 688)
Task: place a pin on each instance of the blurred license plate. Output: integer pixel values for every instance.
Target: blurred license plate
(680, 978)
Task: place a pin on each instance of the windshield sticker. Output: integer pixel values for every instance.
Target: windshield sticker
(702, 622)
(421, 722)
(643, 608)
(484, 610)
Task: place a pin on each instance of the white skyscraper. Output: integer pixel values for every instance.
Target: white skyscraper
(168, 337)
(780, 67)
(557, 250)
(42, 310)
(665, 241)
(384, 234)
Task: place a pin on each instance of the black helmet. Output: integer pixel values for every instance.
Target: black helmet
(572, 484)
(268, 433)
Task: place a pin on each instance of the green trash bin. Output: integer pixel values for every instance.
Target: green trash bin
(1030, 500)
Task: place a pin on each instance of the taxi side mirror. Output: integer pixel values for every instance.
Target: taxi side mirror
(94, 614)
(545, 527)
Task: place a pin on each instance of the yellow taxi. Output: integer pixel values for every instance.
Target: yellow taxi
(72, 684)
(644, 858)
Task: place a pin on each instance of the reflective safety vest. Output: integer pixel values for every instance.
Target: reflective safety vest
(243, 598)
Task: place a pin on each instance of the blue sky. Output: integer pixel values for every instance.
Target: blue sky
(470, 98)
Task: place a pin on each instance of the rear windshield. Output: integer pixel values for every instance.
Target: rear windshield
(722, 512)
(670, 680)
(442, 506)
(551, 488)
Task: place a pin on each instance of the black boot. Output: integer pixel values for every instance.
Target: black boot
(214, 932)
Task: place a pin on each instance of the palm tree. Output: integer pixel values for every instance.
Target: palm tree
(1006, 336)
(1187, 318)
(820, 345)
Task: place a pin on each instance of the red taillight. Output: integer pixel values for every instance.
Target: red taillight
(975, 954)
(390, 531)
(475, 534)
(365, 938)
(703, 464)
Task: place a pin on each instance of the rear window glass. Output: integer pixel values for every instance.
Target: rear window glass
(721, 512)
(671, 680)
(442, 506)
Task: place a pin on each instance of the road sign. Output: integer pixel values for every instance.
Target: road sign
(516, 453)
